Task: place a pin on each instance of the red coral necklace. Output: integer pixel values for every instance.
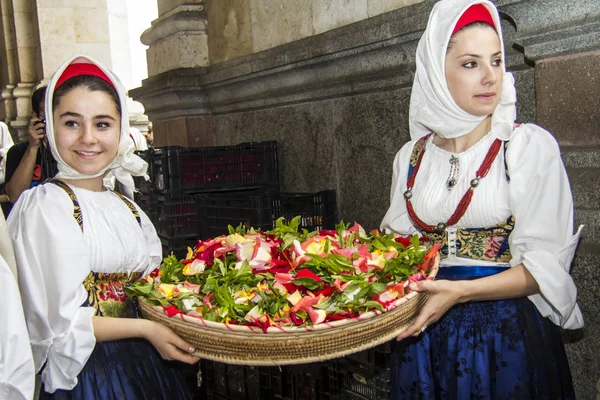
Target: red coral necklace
(464, 202)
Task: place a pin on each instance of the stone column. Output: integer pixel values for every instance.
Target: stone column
(8, 29)
(28, 58)
(178, 48)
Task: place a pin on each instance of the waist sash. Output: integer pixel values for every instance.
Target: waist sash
(463, 272)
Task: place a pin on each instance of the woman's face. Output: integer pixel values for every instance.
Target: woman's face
(87, 129)
(474, 70)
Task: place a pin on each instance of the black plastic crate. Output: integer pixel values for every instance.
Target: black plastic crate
(237, 382)
(177, 216)
(207, 169)
(143, 186)
(177, 246)
(317, 210)
(147, 203)
(353, 386)
(305, 382)
(218, 210)
(369, 362)
(366, 375)
(261, 208)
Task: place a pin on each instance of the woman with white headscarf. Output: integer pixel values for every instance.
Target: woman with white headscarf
(78, 245)
(497, 197)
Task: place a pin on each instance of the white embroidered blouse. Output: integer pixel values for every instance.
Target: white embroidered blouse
(538, 197)
(54, 257)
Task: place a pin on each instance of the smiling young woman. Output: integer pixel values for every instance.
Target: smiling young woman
(77, 246)
(87, 130)
(482, 187)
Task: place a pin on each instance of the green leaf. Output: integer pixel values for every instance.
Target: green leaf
(288, 239)
(364, 292)
(378, 287)
(373, 304)
(221, 266)
(323, 305)
(414, 240)
(308, 283)
(139, 288)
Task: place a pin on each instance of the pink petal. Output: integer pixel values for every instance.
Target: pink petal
(316, 316)
(219, 252)
(283, 278)
(195, 288)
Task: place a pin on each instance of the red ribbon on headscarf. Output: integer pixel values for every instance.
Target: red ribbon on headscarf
(475, 13)
(77, 69)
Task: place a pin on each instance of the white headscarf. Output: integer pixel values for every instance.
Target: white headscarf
(432, 108)
(126, 163)
(139, 140)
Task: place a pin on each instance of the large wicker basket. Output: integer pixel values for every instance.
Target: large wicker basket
(235, 344)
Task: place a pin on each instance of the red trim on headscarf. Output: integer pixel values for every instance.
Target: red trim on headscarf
(475, 13)
(77, 69)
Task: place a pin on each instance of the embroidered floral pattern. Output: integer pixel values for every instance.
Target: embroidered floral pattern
(489, 244)
(106, 293)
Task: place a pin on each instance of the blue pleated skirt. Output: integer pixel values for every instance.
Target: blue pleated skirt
(126, 369)
(484, 350)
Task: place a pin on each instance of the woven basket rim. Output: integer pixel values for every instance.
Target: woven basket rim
(219, 342)
(288, 330)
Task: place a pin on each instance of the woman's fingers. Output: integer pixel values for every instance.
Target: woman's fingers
(173, 353)
(177, 354)
(424, 319)
(189, 359)
(181, 350)
(181, 344)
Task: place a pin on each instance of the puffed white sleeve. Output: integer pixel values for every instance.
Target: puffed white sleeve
(543, 239)
(396, 218)
(17, 378)
(53, 261)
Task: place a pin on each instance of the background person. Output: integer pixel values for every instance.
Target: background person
(30, 163)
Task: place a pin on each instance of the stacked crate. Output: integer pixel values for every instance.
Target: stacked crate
(195, 193)
(366, 375)
(261, 208)
(178, 175)
(144, 195)
(294, 382)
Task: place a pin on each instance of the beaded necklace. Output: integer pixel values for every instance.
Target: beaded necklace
(464, 202)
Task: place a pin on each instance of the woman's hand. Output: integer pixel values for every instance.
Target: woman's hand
(443, 294)
(169, 345)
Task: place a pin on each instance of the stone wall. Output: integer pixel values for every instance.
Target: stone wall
(337, 103)
(240, 27)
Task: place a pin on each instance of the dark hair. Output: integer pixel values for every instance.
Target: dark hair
(37, 97)
(90, 82)
(476, 24)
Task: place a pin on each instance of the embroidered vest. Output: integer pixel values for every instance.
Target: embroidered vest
(106, 291)
(486, 243)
